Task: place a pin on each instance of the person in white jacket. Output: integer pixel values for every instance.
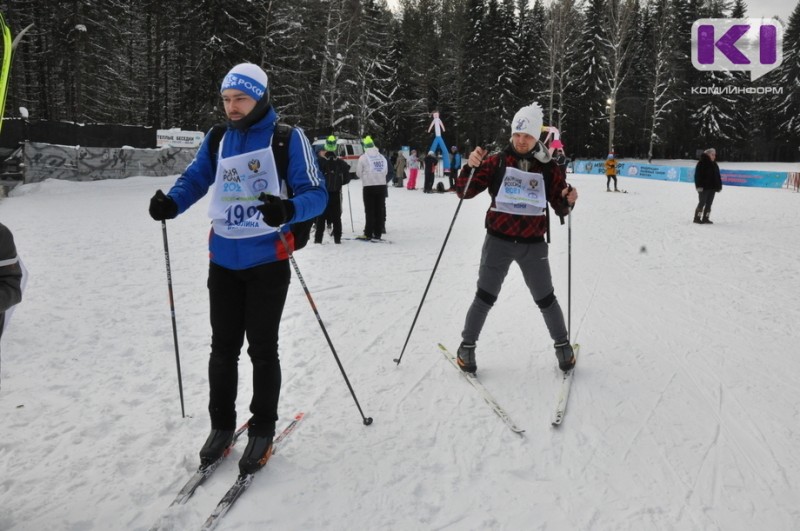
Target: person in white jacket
(371, 169)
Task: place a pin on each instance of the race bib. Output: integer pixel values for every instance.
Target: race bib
(521, 193)
(378, 163)
(239, 181)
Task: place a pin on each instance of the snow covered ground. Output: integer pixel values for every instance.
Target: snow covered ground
(684, 414)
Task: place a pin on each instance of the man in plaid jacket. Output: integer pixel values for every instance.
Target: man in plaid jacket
(521, 179)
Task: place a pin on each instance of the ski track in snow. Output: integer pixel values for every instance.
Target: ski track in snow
(683, 413)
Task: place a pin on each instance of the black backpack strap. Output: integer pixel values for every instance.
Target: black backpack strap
(280, 150)
(215, 135)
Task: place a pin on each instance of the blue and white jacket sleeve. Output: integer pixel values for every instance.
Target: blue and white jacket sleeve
(196, 179)
(305, 179)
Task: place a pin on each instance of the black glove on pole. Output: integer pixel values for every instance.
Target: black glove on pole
(276, 211)
(162, 207)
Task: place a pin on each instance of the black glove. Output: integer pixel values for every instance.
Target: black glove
(162, 207)
(276, 211)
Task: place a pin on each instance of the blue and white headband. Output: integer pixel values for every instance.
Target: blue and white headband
(247, 78)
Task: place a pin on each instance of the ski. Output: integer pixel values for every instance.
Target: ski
(198, 478)
(563, 391)
(203, 473)
(244, 480)
(367, 240)
(487, 396)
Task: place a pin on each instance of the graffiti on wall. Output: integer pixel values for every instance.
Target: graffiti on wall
(52, 161)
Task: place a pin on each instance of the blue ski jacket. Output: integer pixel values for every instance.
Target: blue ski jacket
(303, 176)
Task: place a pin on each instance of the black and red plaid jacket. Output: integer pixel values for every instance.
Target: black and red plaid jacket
(489, 175)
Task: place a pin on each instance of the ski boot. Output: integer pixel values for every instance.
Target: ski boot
(214, 448)
(565, 355)
(466, 357)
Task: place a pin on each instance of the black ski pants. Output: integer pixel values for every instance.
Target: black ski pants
(247, 303)
(704, 201)
(332, 215)
(429, 178)
(374, 210)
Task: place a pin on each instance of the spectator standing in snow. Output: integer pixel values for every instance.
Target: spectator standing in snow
(372, 168)
(561, 160)
(611, 172)
(521, 180)
(707, 181)
(248, 275)
(400, 169)
(10, 275)
(413, 169)
(337, 174)
(455, 166)
(558, 155)
(430, 169)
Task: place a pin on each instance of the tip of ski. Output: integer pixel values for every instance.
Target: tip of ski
(484, 392)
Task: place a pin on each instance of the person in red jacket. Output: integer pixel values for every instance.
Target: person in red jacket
(521, 179)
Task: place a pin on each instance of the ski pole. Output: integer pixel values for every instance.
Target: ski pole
(172, 312)
(569, 276)
(367, 420)
(436, 265)
(350, 204)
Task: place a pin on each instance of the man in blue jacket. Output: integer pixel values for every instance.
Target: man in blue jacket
(249, 274)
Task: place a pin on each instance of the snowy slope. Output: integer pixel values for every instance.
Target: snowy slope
(684, 412)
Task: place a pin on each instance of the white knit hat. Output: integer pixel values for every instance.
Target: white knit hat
(248, 78)
(528, 120)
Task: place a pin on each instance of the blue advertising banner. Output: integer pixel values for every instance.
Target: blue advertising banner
(639, 170)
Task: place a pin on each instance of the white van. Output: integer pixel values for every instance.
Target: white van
(347, 149)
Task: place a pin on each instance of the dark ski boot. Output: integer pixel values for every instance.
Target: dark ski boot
(218, 441)
(257, 453)
(466, 357)
(565, 355)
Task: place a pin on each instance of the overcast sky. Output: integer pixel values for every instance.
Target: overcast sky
(771, 8)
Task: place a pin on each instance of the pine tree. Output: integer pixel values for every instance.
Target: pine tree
(560, 48)
(618, 40)
(662, 58)
(451, 70)
(589, 96)
(712, 115)
(373, 86)
(788, 104)
(475, 70)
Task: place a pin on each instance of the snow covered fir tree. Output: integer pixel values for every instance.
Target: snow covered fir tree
(604, 70)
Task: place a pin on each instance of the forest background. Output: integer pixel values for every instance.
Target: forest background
(608, 73)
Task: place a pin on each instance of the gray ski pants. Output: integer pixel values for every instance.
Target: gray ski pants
(496, 259)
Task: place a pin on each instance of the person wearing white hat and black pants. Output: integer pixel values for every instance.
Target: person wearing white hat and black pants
(521, 180)
(248, 277)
